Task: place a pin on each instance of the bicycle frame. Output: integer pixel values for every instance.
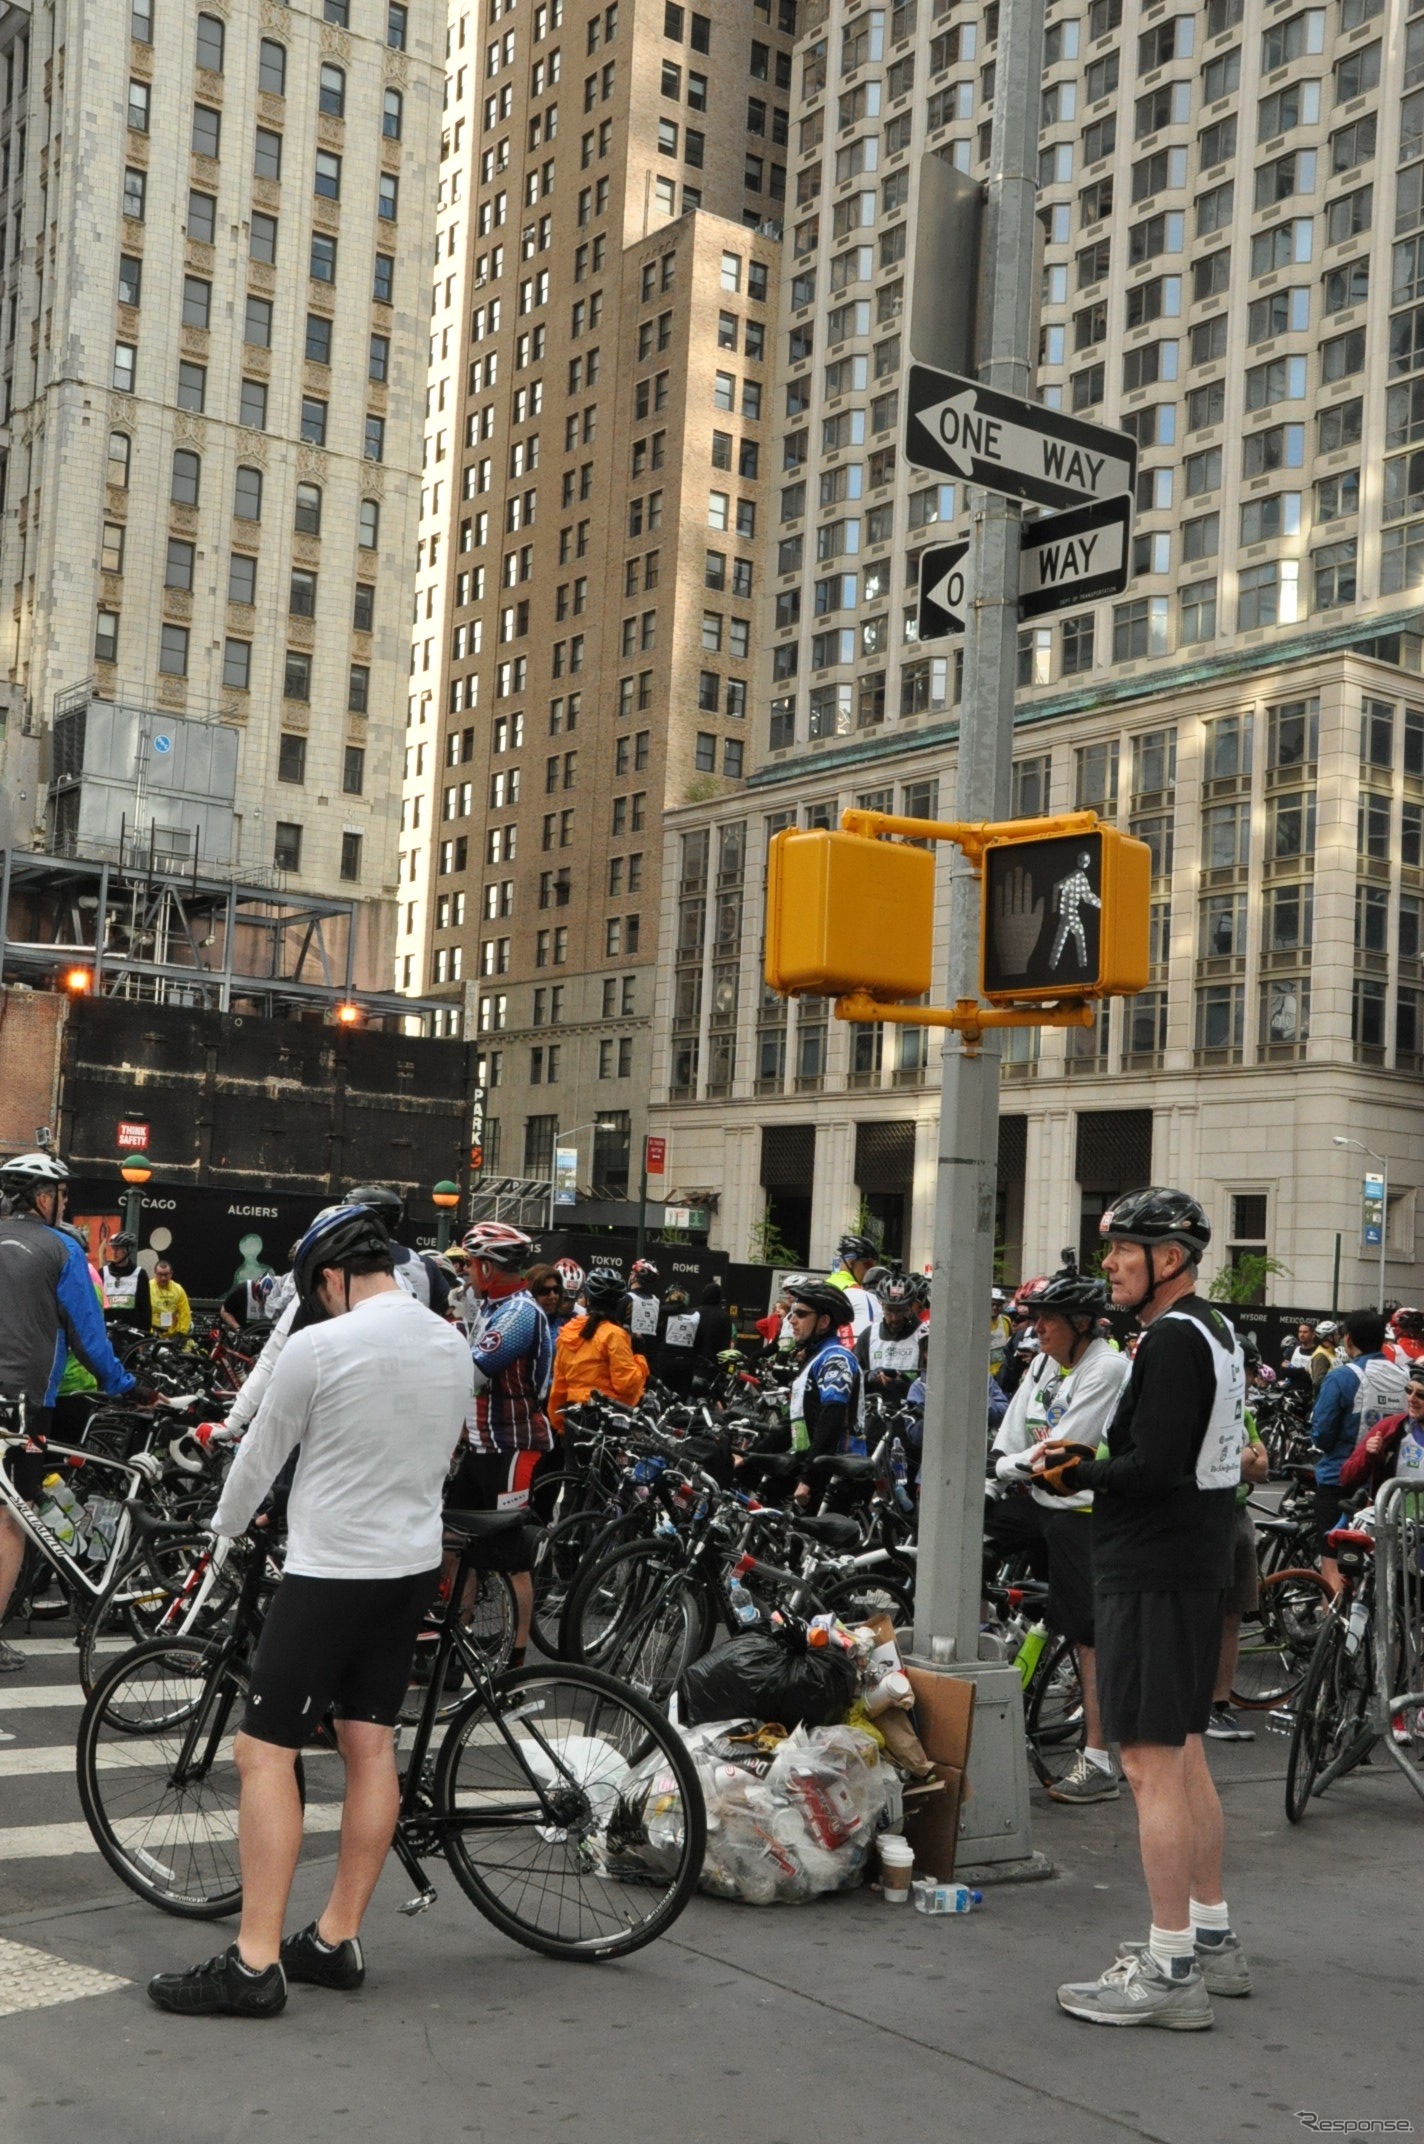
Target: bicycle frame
(89, 1581)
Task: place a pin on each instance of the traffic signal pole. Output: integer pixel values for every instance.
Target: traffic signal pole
(948, 1585)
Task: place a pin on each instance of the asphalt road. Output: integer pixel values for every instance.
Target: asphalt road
(811, 2025)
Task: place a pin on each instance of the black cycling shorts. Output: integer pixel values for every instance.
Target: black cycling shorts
(338, 1644)
(1331, 1510)
(1157, 1657)
(27, 1470)
(493, 1481)
(1069, 1607)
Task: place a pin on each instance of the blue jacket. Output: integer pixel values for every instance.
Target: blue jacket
(1332, 1426)
(47, 1307)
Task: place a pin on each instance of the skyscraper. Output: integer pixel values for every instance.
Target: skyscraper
(215, 226)
(597, 447)
(1232, 217)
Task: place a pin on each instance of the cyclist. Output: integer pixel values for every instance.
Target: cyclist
(248, 1303)
(1001, 1330)
(1394, 1448)
(856, 1256)
(47, 1307)
(594, 1352)
(417, 1272)
(1164, 1503)
(1406, 1341)
(1355, 1396)
(168, 1303)
(374, 1394)
(644, 1307)
(125, 1284)
(513, 1353)
(1070, 1392)
(825, 1398)
(889, 1351)
(1323, 1356)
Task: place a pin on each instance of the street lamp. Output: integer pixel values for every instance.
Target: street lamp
(136, 1171)
(1361, 1148)
(445, 1197)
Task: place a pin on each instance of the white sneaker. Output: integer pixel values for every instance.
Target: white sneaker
(1136, 1991)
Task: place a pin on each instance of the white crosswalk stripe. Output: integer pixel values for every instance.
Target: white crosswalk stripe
(38, 1842)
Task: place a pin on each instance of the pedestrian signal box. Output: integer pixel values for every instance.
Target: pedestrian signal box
(1065, 916)
(846, 913)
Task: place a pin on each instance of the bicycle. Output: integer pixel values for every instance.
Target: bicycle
(567, 1808)
(1335, 1723)
(1278, 1637)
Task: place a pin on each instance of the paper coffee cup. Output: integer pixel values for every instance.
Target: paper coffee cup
(897, 1861)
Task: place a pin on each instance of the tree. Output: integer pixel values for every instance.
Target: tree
(1244, 1280)
(766, 1246)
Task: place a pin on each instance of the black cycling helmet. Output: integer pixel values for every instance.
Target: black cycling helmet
(643, 1269)
(338, 1234)
(857, 1247)
(1157, 1215)
(875, 1279)
(825, 1300)
(123, 1242)
(898, 1291)
(1070, 1295)
(604, 1291)
(381, 1199)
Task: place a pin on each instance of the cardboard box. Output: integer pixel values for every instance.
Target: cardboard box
(944, 1720)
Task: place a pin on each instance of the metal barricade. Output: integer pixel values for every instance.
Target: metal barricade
(1399, 1625)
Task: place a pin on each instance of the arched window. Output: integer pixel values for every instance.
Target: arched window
(370, 524)
(247, 495)
(119, 449)
(210, 43)
(187, 478)
(391, 115)
(307, 519)
(331, 95)
(272, 67)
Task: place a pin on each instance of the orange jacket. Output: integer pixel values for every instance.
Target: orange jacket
(605, 1364)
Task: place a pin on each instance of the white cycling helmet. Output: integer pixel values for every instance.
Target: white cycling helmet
(25, 1174)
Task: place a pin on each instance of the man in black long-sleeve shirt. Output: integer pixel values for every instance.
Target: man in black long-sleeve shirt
(1164, 1497)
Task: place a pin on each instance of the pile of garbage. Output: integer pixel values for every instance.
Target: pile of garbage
(804, 1747)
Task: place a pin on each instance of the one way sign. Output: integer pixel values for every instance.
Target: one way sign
(957, 428)
(1073, 558)
(944, 590)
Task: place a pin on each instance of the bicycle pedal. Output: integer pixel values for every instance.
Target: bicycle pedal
(421, 1903)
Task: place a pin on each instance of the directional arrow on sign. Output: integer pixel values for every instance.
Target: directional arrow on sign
(955, 427)
(944, 590)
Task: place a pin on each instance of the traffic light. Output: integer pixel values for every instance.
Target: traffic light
(847, 913)
(1064, 916)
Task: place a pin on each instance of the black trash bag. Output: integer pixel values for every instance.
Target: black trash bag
(769, 1675)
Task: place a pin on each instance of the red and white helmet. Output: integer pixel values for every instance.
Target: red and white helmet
(572, 1275)
(499, 1245)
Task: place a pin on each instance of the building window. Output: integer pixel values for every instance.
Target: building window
(173, 651)
(291, 758)
(350, 856)
(287, 846)
(247, 494)
(186, 478)
(209, 51)
(353, 774)
(237, 665)
(327, 183)
(206, 138)
(106, 637)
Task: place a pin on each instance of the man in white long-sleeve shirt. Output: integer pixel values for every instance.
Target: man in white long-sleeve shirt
(376, 1396)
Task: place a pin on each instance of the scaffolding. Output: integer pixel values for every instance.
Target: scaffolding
(150, 925)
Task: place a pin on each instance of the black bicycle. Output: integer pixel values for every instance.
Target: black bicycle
(566, 1806)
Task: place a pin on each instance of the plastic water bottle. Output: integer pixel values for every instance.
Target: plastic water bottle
(1031, 1651)
(61, 1511)
(103, 1525)
(744, 1608)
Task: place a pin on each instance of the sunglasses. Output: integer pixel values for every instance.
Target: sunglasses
(549, 1287)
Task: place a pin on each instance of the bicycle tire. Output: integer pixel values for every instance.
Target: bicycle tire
(640, 1615)
(585, 1724)
(1314, 1719)
(562, 1553)
(868, 1593)
(1278, 1637)
(137, 1816)
(146, 1588)
(1054, 1719)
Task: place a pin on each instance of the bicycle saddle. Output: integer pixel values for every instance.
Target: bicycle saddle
(480, 1525)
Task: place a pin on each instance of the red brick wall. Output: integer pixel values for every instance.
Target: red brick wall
(31, 1029)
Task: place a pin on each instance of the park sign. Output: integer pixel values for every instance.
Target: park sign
(956, 428)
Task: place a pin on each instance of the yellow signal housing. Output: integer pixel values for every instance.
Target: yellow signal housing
(847, 913)
(1065, 915)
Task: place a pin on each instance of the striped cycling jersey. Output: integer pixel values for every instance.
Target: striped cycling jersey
(514, 1351)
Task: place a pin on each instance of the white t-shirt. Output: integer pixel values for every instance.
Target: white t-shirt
(1074, 1405)
(376, 1399)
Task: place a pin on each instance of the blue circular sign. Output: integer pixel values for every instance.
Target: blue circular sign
(163, 744)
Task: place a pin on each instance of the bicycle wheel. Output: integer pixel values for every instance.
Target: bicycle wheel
(490, 1621)
(638, 1615)
(1317, 1718)
(1054, 1720)
(162, 1589)
(1278, 1637)
(157, 1781)
(561, 1555)
(867, 1593)
(571, 1812)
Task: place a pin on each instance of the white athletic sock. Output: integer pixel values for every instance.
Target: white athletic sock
(1210, 1924)
(1173, 1949)
(1100, 1757)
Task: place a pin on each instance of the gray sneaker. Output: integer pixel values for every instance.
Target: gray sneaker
(11, 1659)
(1086, 1782)
(1223, 1965)
(1135, 1991)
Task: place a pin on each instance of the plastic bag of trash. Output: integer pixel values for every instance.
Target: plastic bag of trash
(770, 1675)
(788, 1817)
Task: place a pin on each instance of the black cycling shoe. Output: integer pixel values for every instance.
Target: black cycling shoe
(223, 1987)
(306, 1957)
